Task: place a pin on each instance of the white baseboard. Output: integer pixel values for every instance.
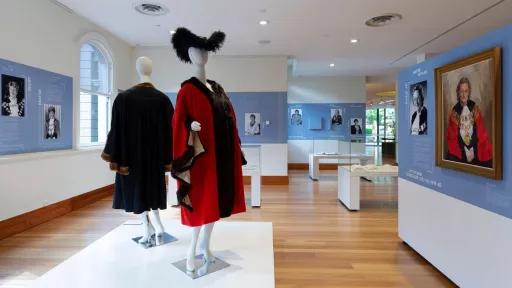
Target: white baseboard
(470, 245)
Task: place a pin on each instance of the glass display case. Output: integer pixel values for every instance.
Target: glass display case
(338, 152)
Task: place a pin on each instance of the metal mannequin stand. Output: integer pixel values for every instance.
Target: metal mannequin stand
(203, 268)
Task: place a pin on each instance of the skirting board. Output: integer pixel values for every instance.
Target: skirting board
(470, 245)
(305, 166)
(33, 218)
(269, 180)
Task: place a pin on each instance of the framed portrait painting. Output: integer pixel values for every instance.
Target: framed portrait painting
(469, 116)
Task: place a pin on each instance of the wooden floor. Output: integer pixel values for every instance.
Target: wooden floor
(317, 242)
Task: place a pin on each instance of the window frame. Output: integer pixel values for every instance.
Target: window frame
(99, 42)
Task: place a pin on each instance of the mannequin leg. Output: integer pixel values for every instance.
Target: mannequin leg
(191, 255)
(148, 228)
(157, 223)
(204, 246)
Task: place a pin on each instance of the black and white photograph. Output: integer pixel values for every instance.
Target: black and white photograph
(51, 120)
(356, 126)
(252, 124)
(418, 109)
(296, 117)
(13, 96)
(336, 118)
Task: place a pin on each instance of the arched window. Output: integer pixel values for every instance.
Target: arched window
(95, 94)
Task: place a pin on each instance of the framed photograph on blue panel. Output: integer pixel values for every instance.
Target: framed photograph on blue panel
(13, 96)
(355, 126)
(252, 124)
(296, 117)
(336, 118)
(51, 121)
(418, 109)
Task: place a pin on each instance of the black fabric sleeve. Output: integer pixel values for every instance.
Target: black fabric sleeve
(115, 151)
(168, 137)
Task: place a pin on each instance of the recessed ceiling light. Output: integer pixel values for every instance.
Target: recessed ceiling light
(354, 41)
(172, 32)
(332, 65)
(263, 22)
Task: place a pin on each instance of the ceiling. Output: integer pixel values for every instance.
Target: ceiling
(381, 83)
(313, 33)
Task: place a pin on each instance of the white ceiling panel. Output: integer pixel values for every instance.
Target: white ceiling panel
(314, 33)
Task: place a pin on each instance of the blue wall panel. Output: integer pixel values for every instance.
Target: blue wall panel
(26, 134)
(272, 108)
(314, 114)
(417, 153)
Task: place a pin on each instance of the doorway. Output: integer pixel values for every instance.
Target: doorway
(380, 125)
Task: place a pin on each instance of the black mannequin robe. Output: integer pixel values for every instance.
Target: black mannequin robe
(139, 147)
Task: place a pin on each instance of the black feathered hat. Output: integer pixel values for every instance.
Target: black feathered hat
(183, 39)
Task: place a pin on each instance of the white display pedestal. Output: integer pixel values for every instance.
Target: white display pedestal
(114, 261)
(252, 154)
(349, 180)
(314, 161)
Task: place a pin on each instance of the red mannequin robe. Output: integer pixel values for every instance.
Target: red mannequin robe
(208, 163)
(480, 140)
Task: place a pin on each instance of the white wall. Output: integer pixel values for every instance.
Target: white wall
(306, 89)
(42, 34)
(235, 74)
(470, 245)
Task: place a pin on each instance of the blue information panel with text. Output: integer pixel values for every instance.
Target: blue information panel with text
(36, 109)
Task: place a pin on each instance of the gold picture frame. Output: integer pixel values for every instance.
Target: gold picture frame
(469, 115)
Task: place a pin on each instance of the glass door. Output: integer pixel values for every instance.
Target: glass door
(380, 125)
(389, 125)
(371, 127)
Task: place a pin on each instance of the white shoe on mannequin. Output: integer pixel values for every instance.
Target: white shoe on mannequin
(204, 246)
(157, 223)
(191, 255)
(149, 230)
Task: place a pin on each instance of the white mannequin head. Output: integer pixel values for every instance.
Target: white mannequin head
(144, 67)
(198, 56)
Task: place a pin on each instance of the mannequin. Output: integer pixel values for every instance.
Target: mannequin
(140, 157)
(207, 156)
(144, 67)
(199, 59)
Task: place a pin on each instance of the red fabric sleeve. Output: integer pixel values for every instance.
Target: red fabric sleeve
(484, 144)
(179, 122)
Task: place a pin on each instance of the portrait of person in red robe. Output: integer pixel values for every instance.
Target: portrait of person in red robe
(466, 135)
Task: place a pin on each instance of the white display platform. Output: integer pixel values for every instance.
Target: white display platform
(314, 161)
(116, 261)
(349, 180)
(252, 154)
